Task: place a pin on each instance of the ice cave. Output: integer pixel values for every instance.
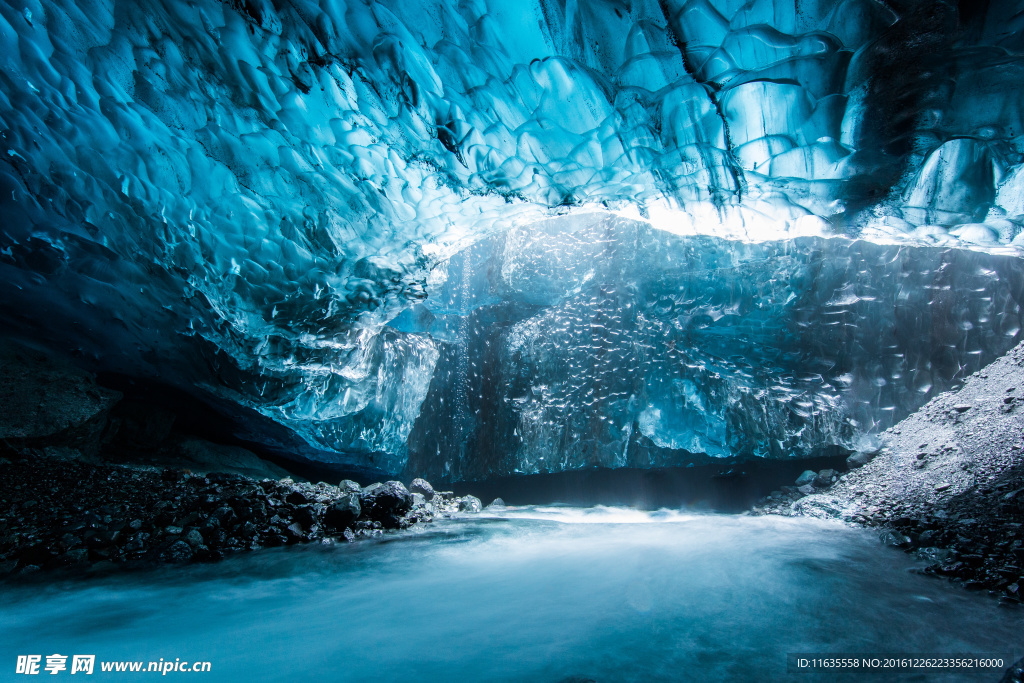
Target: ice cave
(564, 341)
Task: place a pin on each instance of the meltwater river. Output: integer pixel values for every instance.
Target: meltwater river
(543, 594)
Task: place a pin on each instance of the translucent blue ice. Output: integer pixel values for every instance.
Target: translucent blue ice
(239, 196)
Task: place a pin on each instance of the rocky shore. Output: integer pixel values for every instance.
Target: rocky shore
(946, 484)
(65, 513)
(92, 480)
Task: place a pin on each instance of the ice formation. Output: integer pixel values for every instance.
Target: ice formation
(242, 196)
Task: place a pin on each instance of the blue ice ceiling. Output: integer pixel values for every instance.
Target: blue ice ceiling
(241, 197)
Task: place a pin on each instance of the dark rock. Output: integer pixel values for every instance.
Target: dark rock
(274, 539)
(824, 479)
(50, 403)
(423, 487)
(933, 555)
(895, 538)
(219, 478)
(306, 515)
(38, 554)
(73, 557)
(101, 539)
(972, 559)
(137, 543)
(194, 538)
(343, 512)
(296, 498)
(224, 516)
(177, 552)
(385, 503)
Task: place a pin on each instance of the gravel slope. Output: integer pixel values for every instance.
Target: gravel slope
(948, 483)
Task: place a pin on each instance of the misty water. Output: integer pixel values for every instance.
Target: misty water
(527, 594)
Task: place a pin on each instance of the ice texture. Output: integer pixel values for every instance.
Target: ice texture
(601, 341)
(238, 197)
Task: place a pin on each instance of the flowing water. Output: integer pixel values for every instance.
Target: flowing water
(530, 594)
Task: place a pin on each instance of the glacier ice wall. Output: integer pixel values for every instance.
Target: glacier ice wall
(600, 341)
(240, 195)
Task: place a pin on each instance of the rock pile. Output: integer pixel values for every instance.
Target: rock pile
(67, 513)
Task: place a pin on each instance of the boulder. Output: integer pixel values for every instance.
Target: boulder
(343, 512)
(194, 538)
(470, 504)
(179, 551)
(48, 402)
(422, 487)
(824, 479)
(202, 457)
(806, 478)
(385, 503)
(349, 486)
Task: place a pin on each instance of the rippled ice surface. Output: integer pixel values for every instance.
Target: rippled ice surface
(536, 594)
